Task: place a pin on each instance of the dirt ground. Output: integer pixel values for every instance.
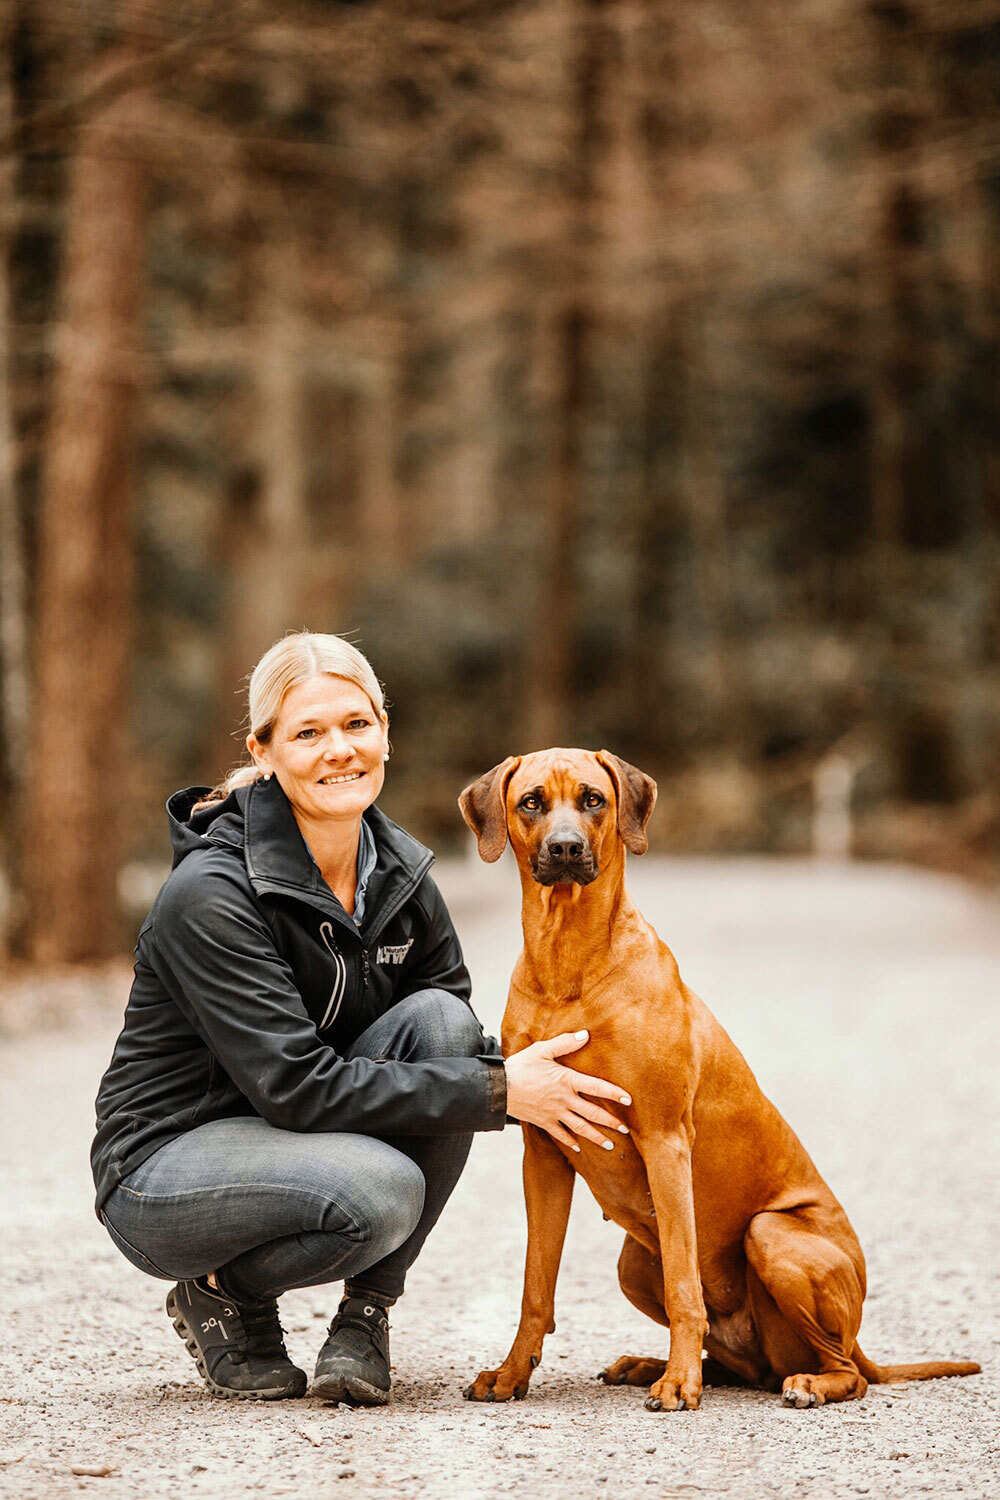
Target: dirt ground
(866, 1000)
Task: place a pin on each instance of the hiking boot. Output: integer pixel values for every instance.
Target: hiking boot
(353, 1364)
(238, 1346)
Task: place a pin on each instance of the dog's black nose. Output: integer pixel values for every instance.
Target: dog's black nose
(564, 844)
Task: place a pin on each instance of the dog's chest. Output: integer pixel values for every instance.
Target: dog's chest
(617, 1178)
(532, 1018)
(618, 1181)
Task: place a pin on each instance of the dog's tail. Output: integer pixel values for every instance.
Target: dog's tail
(886, 1374)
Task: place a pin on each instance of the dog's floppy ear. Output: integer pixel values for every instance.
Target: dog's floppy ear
(484, 808)
(636, 794)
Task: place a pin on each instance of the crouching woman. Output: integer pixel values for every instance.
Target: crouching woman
(295, 1089)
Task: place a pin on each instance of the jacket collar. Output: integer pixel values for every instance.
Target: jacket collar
(276, 853)
(279, 861)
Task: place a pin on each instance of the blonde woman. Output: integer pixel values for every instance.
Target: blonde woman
(294, 1091)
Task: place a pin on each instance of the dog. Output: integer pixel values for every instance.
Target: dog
(732, 1238)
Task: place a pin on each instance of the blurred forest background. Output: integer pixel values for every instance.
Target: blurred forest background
(617, 372)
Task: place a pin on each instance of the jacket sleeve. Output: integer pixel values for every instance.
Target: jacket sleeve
(216, 955)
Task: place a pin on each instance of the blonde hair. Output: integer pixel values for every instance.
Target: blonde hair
(294, 659)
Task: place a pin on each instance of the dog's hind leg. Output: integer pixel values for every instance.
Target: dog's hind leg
(806, 1288)
(640, 1275)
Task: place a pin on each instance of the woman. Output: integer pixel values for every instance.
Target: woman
(294, 1092)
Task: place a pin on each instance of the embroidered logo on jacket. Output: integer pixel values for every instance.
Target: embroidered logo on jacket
(393, 953)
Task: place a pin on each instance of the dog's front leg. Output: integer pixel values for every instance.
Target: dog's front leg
(668, 1167)
(548, 1190)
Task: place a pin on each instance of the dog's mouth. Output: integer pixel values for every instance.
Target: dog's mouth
(563, 871)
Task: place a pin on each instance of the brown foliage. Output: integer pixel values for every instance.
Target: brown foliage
(621, 373)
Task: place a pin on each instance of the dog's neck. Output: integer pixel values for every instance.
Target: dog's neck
(573, 934)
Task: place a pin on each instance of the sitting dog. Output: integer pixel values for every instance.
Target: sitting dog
(732, 1238)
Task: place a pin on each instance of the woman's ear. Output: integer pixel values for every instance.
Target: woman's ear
(257, 754)
(636, 794)
(484, 808)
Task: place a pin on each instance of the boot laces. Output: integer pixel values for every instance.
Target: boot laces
(265, 1335)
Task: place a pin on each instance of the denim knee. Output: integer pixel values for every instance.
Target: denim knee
(445, 1024)
(395, 1213)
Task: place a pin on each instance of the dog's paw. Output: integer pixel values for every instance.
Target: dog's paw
(497, 1385)
(632, 1370)
(798, 1392)
(673, 1394)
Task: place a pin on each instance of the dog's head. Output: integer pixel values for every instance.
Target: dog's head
(563, 810)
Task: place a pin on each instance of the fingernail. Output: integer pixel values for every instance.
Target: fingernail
(623, 1129)
(608, 1145)
(581, 1036)
(625, 1099)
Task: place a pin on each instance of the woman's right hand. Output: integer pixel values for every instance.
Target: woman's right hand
(544, 1092)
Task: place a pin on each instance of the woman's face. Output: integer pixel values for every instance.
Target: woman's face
(327, 749)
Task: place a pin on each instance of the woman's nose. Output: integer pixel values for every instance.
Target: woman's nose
(337, 746)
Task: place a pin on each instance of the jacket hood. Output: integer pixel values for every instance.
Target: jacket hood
(189, 831)
(257, 822)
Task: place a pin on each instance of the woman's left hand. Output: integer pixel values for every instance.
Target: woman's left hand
(544, 1092)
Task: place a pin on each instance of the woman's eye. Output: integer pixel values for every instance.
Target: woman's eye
(304, 733)
(360, 724)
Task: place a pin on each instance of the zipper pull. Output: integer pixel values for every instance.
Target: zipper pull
(366, 967)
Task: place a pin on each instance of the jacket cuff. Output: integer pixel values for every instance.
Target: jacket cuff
(498, 1091)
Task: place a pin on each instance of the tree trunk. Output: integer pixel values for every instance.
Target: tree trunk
(268, 540)
(548, 695)
(548, 719)
(703, 506)
(897, 275)
(381, 523)
(13, 627)
(85, 558)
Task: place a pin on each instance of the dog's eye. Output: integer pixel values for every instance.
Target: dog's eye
(530, 803)
(593, 799)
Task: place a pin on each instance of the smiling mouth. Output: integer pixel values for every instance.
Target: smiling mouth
(336, 780)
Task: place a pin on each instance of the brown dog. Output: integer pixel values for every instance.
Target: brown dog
(732, 1237)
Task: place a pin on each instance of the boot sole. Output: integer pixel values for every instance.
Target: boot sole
(350, 1389)
(185, 1333)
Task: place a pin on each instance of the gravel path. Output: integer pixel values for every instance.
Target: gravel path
(866, 1001)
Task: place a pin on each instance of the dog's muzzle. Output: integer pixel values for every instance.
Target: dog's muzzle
(564, 858)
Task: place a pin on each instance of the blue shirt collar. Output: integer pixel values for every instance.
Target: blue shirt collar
(367, 858)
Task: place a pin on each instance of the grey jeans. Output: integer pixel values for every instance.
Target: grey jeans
(269, 1209)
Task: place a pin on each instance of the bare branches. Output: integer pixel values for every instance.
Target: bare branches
(140, 73)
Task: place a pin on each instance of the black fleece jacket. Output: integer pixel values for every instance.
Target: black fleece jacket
(251, 979)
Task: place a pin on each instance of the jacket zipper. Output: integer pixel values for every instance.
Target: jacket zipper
(385, 916)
